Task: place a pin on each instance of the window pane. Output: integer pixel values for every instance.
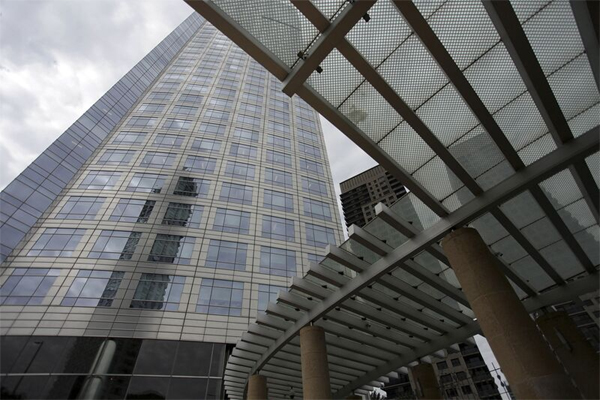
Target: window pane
(57, 242)
(81, 208)
(115, 245)
(227, 255)
(132, 210)
(275, 261)
(278, 228)
(181, 214)
(158, 292)
(236, 193)
(93, 288)
(232, 221)
(172, 249)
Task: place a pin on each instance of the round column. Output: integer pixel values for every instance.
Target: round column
(315, 368)
(425, 382)
(527, 361)
(573, 350)
(257, 388)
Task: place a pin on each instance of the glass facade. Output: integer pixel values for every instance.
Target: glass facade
(184, 217)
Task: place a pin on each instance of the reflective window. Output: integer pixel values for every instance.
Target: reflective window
(163, 140)
(223, 103)
(116, 157)
(243, 150)
(236, 193)
(193, 98)
(142, 122)
(309, 150)
(81, 208)
(227, 255)
(193, 187)
(252, 97)
(173, 77)
(279, 141)
(315, 258)
(93, 289)
(129, 138)
(227, 93)
(239, 170)
(115, 245)
(314, 186)
(132, 210)
(151, 108)
(216, 114)
(280, 262)
(232, 221)
(316, 209)
(281, 104)
(278, 200)
(172, 249)
(220, 297)
(278, 178)
(278, 114)
(278, 228)
(200, 79)
(200, 164)
(276, 157)
(99, 180)
(267, 294)
(251, 109)
(27, 286)
(211, 129)
(311, 166)
(307, 135)
(306, 123)
(158, 292)
(155, 159)
(246, 134)
(166, 86)
(181, 214)
(57, 242)
(206, 145)
(248, 120)
(319, 236)
(150, 183)
(178, 124)
(184, 110)
(159, 96)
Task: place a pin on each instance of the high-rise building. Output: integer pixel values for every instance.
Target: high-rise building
(140, 245)
(461, 375)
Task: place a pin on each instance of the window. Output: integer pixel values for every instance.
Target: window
(206, 145)
(451, 392)
(100, 180)
(230, 83)
(446, 378)
(166, 86)
(309, 150)
(223, 103)
(252, 109)
(132, 210)
(151, 108)
(278, 178)
(158, 292)
(236, 193)
(150, 183)
(163, 140)
(193, 187)
(461, 375)
(81, 208)
(246, 134)
(160, 96)
(314, 186)
(466, 389)
(227, 255)
(130, 138)
(142, 122)
(319, 236)
(455, 362)
(314, 258)
(281, 104)
(239, 170)
(177, 124)
(227, 93)
(242, 150)
(278, 201)
(248, 120)
(174, 77)
(116, 157)
(57, 242)
(252, 97)
(267, 294)
(279, 262)
(216, 114)
(172, 249)
(279, 141)
(201, 79)
(93, 289)
(181, 214)
(278, 114)
(211, 129)
(154, 159)
(193, 98)
(232, 221)
(277, 157)
(184, 110)
(27, 286)
(278, 228)
(115, 245)
(220, 297)
(304, 134)
(254, 88)
(442, 365)
(200, 164)
(306, 123)
(316, 209)
(311, 166)
(279, 127)
(304, 112)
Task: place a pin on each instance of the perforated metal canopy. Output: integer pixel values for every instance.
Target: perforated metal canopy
(487, 111)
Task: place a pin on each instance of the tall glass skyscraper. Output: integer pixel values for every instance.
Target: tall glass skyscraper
(150, 234)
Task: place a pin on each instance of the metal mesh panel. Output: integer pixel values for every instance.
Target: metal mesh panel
(411, 209)
(277, 24)
(438, 179)
(562, 259)
(495, 175)
(489, 228)
(405, 146)
(593, 163)
(532, 273)
(577, 216)
(526, 8)
(428, 7)
(429, 262)
(379, 37)
(509, 250)
(522, 210)
(561, 189)
(360, 251)
(338, 79)
(370, 112)
(329, 7)
(458, 199)
(537, 149)
(464, 29)
(476, 152)
(541, 233)
(589, 240)
(585, 121)
(412, 73)
(386, 233)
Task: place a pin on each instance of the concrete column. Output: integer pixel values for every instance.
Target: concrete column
(315, 368)
(573, 350)
(426, 384)
(257, 388)
(527, 361)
